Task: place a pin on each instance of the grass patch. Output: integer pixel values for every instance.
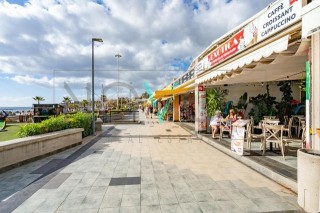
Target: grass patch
(10, 132)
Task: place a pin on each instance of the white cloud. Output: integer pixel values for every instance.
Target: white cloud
(47, 35)
(15, 101)
(44, 81)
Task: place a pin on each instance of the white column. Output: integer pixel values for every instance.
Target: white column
(315, 89)
(196, 101)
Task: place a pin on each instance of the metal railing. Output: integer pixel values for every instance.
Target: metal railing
(120, 117)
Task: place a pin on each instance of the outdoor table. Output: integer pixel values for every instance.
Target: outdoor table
(269, 122)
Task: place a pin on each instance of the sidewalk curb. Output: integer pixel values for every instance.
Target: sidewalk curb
(286, 182)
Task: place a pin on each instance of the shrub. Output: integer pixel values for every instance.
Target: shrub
(31, 129)
(78, 120)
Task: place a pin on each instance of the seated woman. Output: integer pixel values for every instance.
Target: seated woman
(231, 118)
(215, 122)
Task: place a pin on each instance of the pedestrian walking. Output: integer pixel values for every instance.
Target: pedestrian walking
(146, 110)
(151, 111)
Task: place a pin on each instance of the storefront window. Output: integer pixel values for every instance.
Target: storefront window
(187, 110)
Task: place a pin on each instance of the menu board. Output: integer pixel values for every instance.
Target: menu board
(237, 136)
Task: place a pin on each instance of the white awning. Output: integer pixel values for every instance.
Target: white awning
(255, 56)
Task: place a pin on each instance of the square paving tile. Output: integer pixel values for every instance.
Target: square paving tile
(185, 197)
(202, 196)
(219, 195)
(109, 210)
(168, 198)
(130, 200)
(149, 199)
(125, 181)
(228, 206)
(132, 189)
(172, 208)
(150, 209)
(190, 208)
(132, 209)
(209, 207)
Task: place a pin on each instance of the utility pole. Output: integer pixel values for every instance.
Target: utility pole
(118, 56)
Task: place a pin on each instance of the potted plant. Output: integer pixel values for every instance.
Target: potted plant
(215, 101)
(263, 104)
(242, 104)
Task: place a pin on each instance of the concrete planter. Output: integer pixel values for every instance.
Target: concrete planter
(309, 179)
(16, 151)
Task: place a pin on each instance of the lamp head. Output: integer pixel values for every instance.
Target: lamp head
(118, 55)
(97, 39)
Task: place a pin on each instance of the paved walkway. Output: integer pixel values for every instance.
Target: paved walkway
(122, 172)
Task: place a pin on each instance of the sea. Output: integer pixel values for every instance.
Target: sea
(16, 109)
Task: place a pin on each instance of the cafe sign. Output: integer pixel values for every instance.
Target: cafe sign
(277, 17)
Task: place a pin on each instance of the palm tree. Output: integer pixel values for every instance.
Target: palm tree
(38, 98)
(84, 103)
(66, 100)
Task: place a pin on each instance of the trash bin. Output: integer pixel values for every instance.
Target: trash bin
(309, 179)
(98, 124)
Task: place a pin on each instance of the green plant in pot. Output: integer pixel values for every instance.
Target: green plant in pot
(242, 105)
(215, 101)
(284, 107)
(263, 105)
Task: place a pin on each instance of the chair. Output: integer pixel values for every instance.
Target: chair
(225, 126)
(251, 135)
(286, 120)
(295, 124)
(252, 124)
(274, 134)
(288, 128)
(301, 140)
(302, 122)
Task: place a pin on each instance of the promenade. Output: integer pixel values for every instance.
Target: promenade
(148, 167)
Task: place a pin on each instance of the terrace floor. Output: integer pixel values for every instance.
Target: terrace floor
(148, 167)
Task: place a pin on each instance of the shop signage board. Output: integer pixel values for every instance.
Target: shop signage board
(199, 68)
(310, 19)
(277, 17)
(202, 118)
(237, 136)
(229, 48)
(186, 77)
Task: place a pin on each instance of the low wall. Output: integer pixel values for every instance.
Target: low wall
(17, 151)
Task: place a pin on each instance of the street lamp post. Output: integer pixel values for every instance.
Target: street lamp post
(92, 83)
(118, 56)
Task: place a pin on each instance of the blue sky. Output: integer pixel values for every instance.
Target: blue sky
(158, 39)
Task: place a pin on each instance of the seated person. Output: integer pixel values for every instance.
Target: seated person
(215, 122)
(231, 118)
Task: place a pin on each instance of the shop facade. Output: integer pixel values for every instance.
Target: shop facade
(311, 30)
(263, 51)
(279, 45)
(181, 94)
